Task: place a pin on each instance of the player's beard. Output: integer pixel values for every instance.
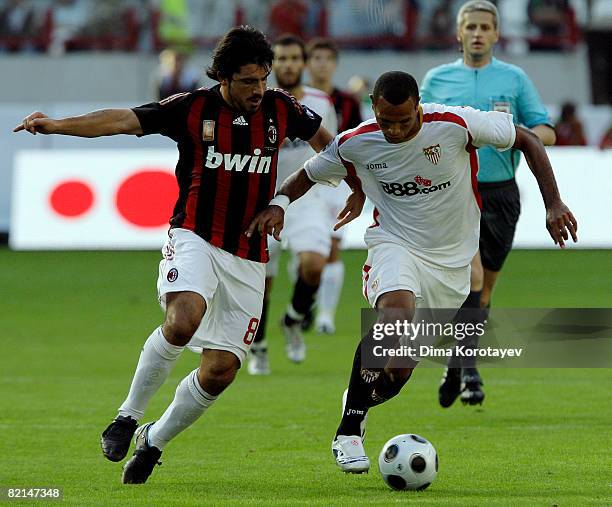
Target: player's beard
(286, 84)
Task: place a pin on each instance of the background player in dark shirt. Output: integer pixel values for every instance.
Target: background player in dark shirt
(212, 275)
(322, 63)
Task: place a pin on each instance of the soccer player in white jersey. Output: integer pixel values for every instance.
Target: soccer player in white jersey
(309, 226)
(322, 63)
(418, 165)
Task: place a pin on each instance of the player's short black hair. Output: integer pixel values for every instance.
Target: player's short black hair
(240, 46)
(321, 43)
(396, 87)
(288, 39)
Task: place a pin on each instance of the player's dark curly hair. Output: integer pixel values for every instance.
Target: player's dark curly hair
(240, 46)
(396, 87)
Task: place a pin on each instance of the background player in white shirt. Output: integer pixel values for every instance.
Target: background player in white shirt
(308, 225)
(418, 165)
(322, 64)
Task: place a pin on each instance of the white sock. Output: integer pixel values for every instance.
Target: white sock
(154, 364)
(293, 313)
(189, 403)
(293, 267)
(330, 289)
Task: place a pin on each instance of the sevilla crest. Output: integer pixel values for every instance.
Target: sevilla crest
(433, 153)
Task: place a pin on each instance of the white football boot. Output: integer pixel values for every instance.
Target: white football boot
(258, 360)
(294, 342)
(350, 454)
(348, 449)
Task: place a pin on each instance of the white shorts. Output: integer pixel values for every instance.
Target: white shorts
(274, 253)
(335, 200)
(308, 228)
(391, 267)
(232, 287)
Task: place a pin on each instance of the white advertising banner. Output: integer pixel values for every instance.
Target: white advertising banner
(584, 177)
(86, 199)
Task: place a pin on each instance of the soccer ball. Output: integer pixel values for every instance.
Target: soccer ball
(408, 462)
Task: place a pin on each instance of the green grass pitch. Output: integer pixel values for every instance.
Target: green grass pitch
(72, 325)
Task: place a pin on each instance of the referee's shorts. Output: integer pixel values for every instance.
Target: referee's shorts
(501, 207)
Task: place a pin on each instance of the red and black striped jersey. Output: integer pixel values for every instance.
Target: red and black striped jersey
(347, 108)
(226, 170)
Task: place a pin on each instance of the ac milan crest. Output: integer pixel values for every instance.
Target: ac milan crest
(272, 134)
(172, 275)
(433, 153)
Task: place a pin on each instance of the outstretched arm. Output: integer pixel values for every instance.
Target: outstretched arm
(559, 219)
(106, 122)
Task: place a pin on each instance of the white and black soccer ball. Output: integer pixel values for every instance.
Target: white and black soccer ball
(408, 462)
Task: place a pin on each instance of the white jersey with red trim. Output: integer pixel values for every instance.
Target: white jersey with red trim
(424, 189)
(294, 153)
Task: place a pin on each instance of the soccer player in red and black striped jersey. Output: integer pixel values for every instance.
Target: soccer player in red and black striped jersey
(322, 63)
(211, 279)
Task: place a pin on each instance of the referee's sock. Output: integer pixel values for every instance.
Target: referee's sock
(473, 314)
(302, 301)
(470, 311)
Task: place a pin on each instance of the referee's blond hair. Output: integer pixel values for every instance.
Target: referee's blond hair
(478, 6)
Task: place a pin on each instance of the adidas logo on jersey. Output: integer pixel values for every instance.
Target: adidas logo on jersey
(241, 122)
(236, 162)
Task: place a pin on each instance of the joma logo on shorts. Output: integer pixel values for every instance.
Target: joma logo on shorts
(377, 165)
(236, 162)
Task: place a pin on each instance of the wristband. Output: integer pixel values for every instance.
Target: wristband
(280, 200)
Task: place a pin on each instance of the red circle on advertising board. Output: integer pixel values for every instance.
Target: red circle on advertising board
(146, 197)
(71, 198)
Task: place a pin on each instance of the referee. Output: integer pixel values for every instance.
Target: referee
(486, 83)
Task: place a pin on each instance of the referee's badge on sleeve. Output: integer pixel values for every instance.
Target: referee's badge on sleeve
(208, 130)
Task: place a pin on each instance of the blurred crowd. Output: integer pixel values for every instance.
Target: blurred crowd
(57, 26)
